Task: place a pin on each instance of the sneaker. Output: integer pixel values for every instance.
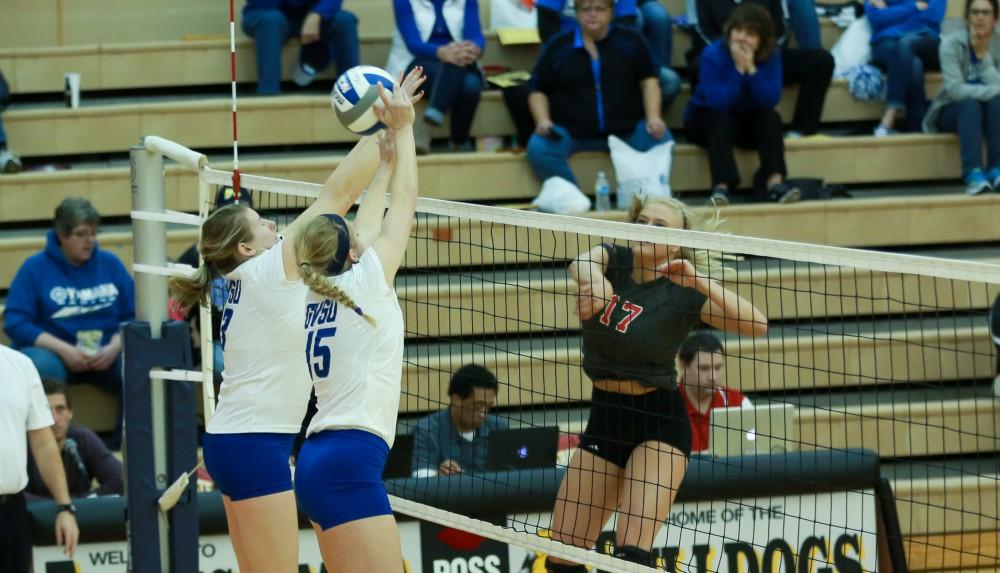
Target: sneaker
(303, 75)
(793, 134)
(976, 183)
(883, 131)
(718, 198)
(784, 193)
(994, 178)
(10, 163)
(421, 138)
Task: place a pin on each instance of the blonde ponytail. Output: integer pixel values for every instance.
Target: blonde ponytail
(192, 290)
(319, 284)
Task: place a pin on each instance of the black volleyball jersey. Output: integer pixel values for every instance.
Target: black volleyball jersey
(638, 333)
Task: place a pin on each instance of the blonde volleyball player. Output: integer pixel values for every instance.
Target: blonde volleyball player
(645, 298)
(354, 347)
(265, 383)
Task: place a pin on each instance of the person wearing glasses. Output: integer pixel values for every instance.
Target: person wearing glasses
(66, 303)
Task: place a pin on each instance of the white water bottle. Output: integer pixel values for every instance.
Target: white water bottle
(602, 192)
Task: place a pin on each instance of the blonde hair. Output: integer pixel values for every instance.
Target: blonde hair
(705, 261)
(221, 234)
(315, 247)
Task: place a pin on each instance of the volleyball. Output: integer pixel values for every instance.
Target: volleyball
(354, 94)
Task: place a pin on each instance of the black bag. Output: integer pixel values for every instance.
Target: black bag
(815, 188)
(4, 93)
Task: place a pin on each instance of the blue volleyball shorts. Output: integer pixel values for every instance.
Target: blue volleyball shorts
(250, 465)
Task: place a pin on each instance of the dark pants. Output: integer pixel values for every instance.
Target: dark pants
(15, 535)
(974, 120)
(50, 366)
(719, 133)
(811, 70)
(270, 29)
(905, 60)
(452, 91)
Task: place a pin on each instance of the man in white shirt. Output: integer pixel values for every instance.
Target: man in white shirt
(25, 409)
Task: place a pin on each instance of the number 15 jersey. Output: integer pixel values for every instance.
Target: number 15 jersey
(356, 367)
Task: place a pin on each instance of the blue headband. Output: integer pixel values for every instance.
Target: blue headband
(339, 260)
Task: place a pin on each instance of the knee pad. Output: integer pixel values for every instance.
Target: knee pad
(634, 555)
(564, 568)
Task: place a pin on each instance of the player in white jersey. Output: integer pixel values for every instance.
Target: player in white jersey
(354, 329)
(266, 383)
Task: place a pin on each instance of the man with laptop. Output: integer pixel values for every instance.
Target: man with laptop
(723, 421)
(455, 440)
(703, 370)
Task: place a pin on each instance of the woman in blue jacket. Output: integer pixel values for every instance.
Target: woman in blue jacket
(905, 38)
(734, 105)
(445, 38)
(66, 303)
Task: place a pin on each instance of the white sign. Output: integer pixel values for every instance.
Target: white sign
(829, 533)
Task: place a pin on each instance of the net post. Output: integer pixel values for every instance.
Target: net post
(149, 247)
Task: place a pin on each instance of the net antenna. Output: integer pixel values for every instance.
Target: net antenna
(232, 66)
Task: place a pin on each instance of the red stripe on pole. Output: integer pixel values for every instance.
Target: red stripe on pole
(232, 66)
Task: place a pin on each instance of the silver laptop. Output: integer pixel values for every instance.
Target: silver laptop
(759, 429)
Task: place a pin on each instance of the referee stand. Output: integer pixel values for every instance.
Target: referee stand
(161, 429)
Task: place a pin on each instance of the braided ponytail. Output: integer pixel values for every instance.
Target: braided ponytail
(319, 284)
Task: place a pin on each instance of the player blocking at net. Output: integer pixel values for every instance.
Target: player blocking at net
(354, 348)
(266, 383)
(646, 298)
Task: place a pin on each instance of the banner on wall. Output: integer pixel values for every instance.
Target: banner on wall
(828, 533)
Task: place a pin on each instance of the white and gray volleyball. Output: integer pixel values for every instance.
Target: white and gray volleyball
(354, 95)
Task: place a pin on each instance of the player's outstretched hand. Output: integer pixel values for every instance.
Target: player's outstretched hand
(397, 108)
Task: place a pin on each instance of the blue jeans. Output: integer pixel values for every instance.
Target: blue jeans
(3, 134)
(452, 90)
(906, 59)
(270, 30)
(974, 120)
(655, 24)
(805, 23)
(51, 367)
(549, 156)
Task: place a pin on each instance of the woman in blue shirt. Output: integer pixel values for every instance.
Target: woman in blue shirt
(446, 39)
(905, 38)
(734, 105)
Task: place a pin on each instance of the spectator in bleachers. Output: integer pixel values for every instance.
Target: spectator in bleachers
(905, 39)
(703, 370)
(809, 67)
(969, 102)
(223, 196)
(325, 30)
(573, 112)
(455, 440)
(734, 105)
(66, 303)
(84, 456)
(648, 17)
(446, 39)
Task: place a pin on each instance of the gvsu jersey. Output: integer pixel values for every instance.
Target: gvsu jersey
(265, 385)
(356, 367)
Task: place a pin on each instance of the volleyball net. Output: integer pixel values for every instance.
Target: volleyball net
(863, 350)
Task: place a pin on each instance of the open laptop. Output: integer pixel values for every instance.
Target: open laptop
(522, 449)
(759, 429)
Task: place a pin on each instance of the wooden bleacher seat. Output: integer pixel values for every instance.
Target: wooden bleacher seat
(288, 120)
(508, 177)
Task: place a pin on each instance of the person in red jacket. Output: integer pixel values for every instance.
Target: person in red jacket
(702, 368)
